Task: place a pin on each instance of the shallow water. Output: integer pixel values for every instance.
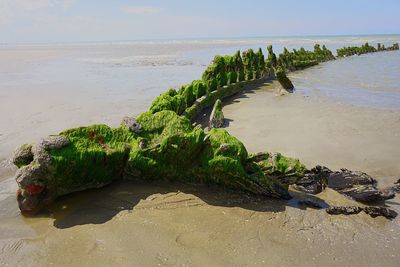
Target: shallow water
(369, 80)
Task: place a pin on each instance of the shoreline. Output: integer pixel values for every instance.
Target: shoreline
(316, 130)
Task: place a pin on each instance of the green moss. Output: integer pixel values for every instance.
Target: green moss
(224, 161)
(300, 59)
(222, 79)
(189, 95)
(230, 64)
(283, 79)
(168, 147)
(272, 61)
(216, 70)
(249, 62)
(287, 165)
(212, 84)
(221, 159)
(260, 60)
(241, 76)
(161, 124)
(218, 109)
(235, 149)
(232, 77)
(169, 100)
(364, 49)
(95, 157)
(239, 66)
(285, 169)
(199, 88)
(171, 158)
(303, 64)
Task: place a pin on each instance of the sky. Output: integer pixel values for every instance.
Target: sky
(48, 21)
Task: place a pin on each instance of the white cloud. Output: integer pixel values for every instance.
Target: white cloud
(140, 10)
(10, 10)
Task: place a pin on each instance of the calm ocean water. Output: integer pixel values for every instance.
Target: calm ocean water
(49, 87)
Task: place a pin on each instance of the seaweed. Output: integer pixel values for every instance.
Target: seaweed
(283, 79)
(364, 49)
(166, 145)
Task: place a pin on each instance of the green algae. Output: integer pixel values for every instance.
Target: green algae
(168, 147)
(158, 125)
(224, 161)
(188, 95)
(355, 50)
(302, 58)
(199, 88)
(283, 79)
(364, 49)
(169, 100)
(170, 159)
(285, 169)
(260, 62)
(95, 157)
(271, 61)
(217, 116)
(216, 70)
(249, 60)
(232, 77)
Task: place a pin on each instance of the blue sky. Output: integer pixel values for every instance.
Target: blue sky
(113, 20)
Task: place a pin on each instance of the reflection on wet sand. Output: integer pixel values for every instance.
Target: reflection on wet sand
(175, 224)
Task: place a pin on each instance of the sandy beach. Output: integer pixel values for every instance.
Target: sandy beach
(163, 224)
(317, 130)
(199, 133)
(171, 224)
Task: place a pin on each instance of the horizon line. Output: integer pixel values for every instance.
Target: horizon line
(196, 39)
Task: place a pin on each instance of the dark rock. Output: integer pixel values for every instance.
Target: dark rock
(132, 124)
(367, 193)
(358, 186)
(31, 178)
(260, 156)
(345, 179)
(223, 148)
(313, 181)
(371, 211)
(287, 170)
(336, 210)
(283, 79)
(310, 203)
(395, 188)
(142, 144)
(54, 142)
(23, 155)
(217, 119)
(354, 184)
(380, 211)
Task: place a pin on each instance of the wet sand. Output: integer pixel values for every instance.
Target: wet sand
(135, 224)
(317, 130)
(164, 224)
